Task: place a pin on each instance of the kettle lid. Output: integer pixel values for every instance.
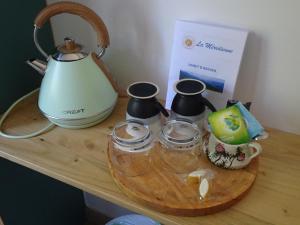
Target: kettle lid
(69, 51)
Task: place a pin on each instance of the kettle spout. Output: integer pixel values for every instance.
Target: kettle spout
(38, 65)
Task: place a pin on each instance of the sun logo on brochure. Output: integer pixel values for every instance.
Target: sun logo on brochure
(188, 42)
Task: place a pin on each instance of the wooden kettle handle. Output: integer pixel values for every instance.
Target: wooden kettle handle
(76, 9)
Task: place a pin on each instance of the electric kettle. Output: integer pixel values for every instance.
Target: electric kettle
(77, 90)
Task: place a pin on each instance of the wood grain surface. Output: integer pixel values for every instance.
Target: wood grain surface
(167, 191)
(78, 158)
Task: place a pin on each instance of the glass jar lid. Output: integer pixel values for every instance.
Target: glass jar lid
(132, 136)
(180, 134)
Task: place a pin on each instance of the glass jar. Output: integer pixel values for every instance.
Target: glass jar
(180, 146)
(132, 142)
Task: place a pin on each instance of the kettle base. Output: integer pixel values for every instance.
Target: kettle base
(81, 123)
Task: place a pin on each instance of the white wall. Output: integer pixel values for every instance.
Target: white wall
(141, 39)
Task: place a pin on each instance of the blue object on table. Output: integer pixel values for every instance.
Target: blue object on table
(132, 219)
(254, 127)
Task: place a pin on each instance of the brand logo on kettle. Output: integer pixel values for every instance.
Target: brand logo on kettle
(73, 111)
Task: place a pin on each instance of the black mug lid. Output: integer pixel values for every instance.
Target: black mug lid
(189, 87)
(143, 90)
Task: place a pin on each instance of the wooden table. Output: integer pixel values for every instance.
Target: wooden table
(77, 157)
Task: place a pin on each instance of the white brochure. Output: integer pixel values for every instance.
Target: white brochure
(209, 53)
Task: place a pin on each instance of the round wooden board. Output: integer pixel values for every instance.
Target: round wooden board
(170, 193)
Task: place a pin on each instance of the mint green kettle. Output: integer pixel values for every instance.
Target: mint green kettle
(76, 90)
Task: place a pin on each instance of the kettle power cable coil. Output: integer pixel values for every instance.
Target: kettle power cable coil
(36, 133)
